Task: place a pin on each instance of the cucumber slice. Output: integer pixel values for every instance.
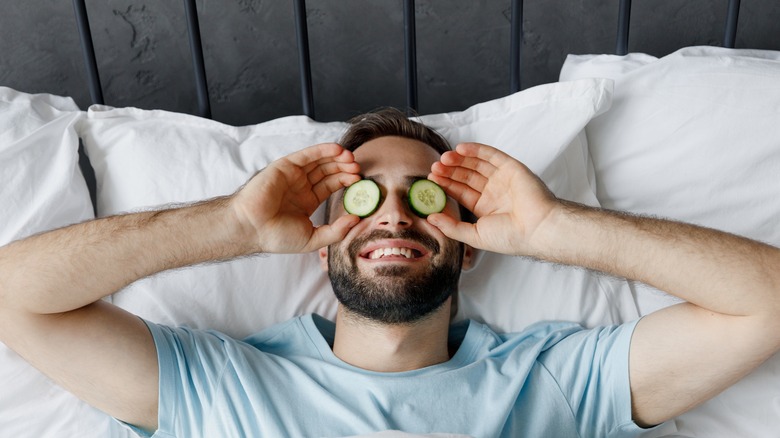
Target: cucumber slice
(362, 198)
(426, 197)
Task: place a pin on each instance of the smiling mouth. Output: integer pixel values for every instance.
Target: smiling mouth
(402, 246)
(406, 253)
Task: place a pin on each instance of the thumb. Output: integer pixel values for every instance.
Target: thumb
(454, 229)
(325, 235)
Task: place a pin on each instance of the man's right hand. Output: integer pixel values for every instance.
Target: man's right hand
(277, 202)
(51, 285)
(680, 356)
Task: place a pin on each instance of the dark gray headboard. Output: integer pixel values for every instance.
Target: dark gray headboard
(143, 50)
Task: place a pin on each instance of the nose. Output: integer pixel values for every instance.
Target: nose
(394, 213)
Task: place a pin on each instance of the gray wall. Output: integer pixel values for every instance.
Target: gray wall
(357, 49)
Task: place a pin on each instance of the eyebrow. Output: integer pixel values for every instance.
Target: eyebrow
(408, 180)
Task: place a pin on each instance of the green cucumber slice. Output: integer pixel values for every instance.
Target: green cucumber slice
(426, 197)
(362, 198)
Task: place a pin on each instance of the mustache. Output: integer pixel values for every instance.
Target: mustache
(406, 234)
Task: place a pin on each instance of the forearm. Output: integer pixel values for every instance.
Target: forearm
(71, 267)
(714, 270)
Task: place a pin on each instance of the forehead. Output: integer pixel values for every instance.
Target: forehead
(391, 155)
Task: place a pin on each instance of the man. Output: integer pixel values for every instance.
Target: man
(392, 360)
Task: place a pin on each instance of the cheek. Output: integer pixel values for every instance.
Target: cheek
(338, 259)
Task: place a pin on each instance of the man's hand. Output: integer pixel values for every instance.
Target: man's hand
(51, 284)
(279, 200)
(509, 201)
(679, 356)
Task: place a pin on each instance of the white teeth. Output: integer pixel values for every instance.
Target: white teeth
(381, 252)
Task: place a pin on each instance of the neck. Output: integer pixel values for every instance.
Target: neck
(392, 347)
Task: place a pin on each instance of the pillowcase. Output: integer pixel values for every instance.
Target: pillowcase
(694, 136)
(42, 189)
(42, 185)
(147, 159)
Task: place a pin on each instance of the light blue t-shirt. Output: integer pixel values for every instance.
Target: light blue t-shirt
(551, 380)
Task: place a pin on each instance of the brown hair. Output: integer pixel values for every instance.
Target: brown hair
(387, 122)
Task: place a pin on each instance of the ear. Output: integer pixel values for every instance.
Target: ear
(468, 257)
(323, 252)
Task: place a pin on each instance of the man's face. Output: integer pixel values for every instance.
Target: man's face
(394, 267)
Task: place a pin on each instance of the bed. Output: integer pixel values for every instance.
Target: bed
(690, 135)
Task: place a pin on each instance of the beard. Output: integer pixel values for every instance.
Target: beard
(395, 294)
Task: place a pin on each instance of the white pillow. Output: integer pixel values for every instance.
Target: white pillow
(144, 159)
(692, 136)
(42, 185)
(695, 136)
(42, 189)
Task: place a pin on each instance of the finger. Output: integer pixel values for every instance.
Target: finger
(312, 154)
(345, 157)
(483, 152)
(462, 175)
(463, 194)
(331, 184)
(456, 160)
(320, 171)
(325, 235)
(454, 229)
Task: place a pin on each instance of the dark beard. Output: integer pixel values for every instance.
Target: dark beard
(394, 295)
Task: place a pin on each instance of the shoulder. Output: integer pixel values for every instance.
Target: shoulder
(566, 350)
(210, 346)
(543, 335)
(590, 368)
(597, 342)
(204, 368)
(520, 350)
(585, 369)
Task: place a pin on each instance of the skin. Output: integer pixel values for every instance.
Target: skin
(680, 356)
(399, 347)
(51, 284)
